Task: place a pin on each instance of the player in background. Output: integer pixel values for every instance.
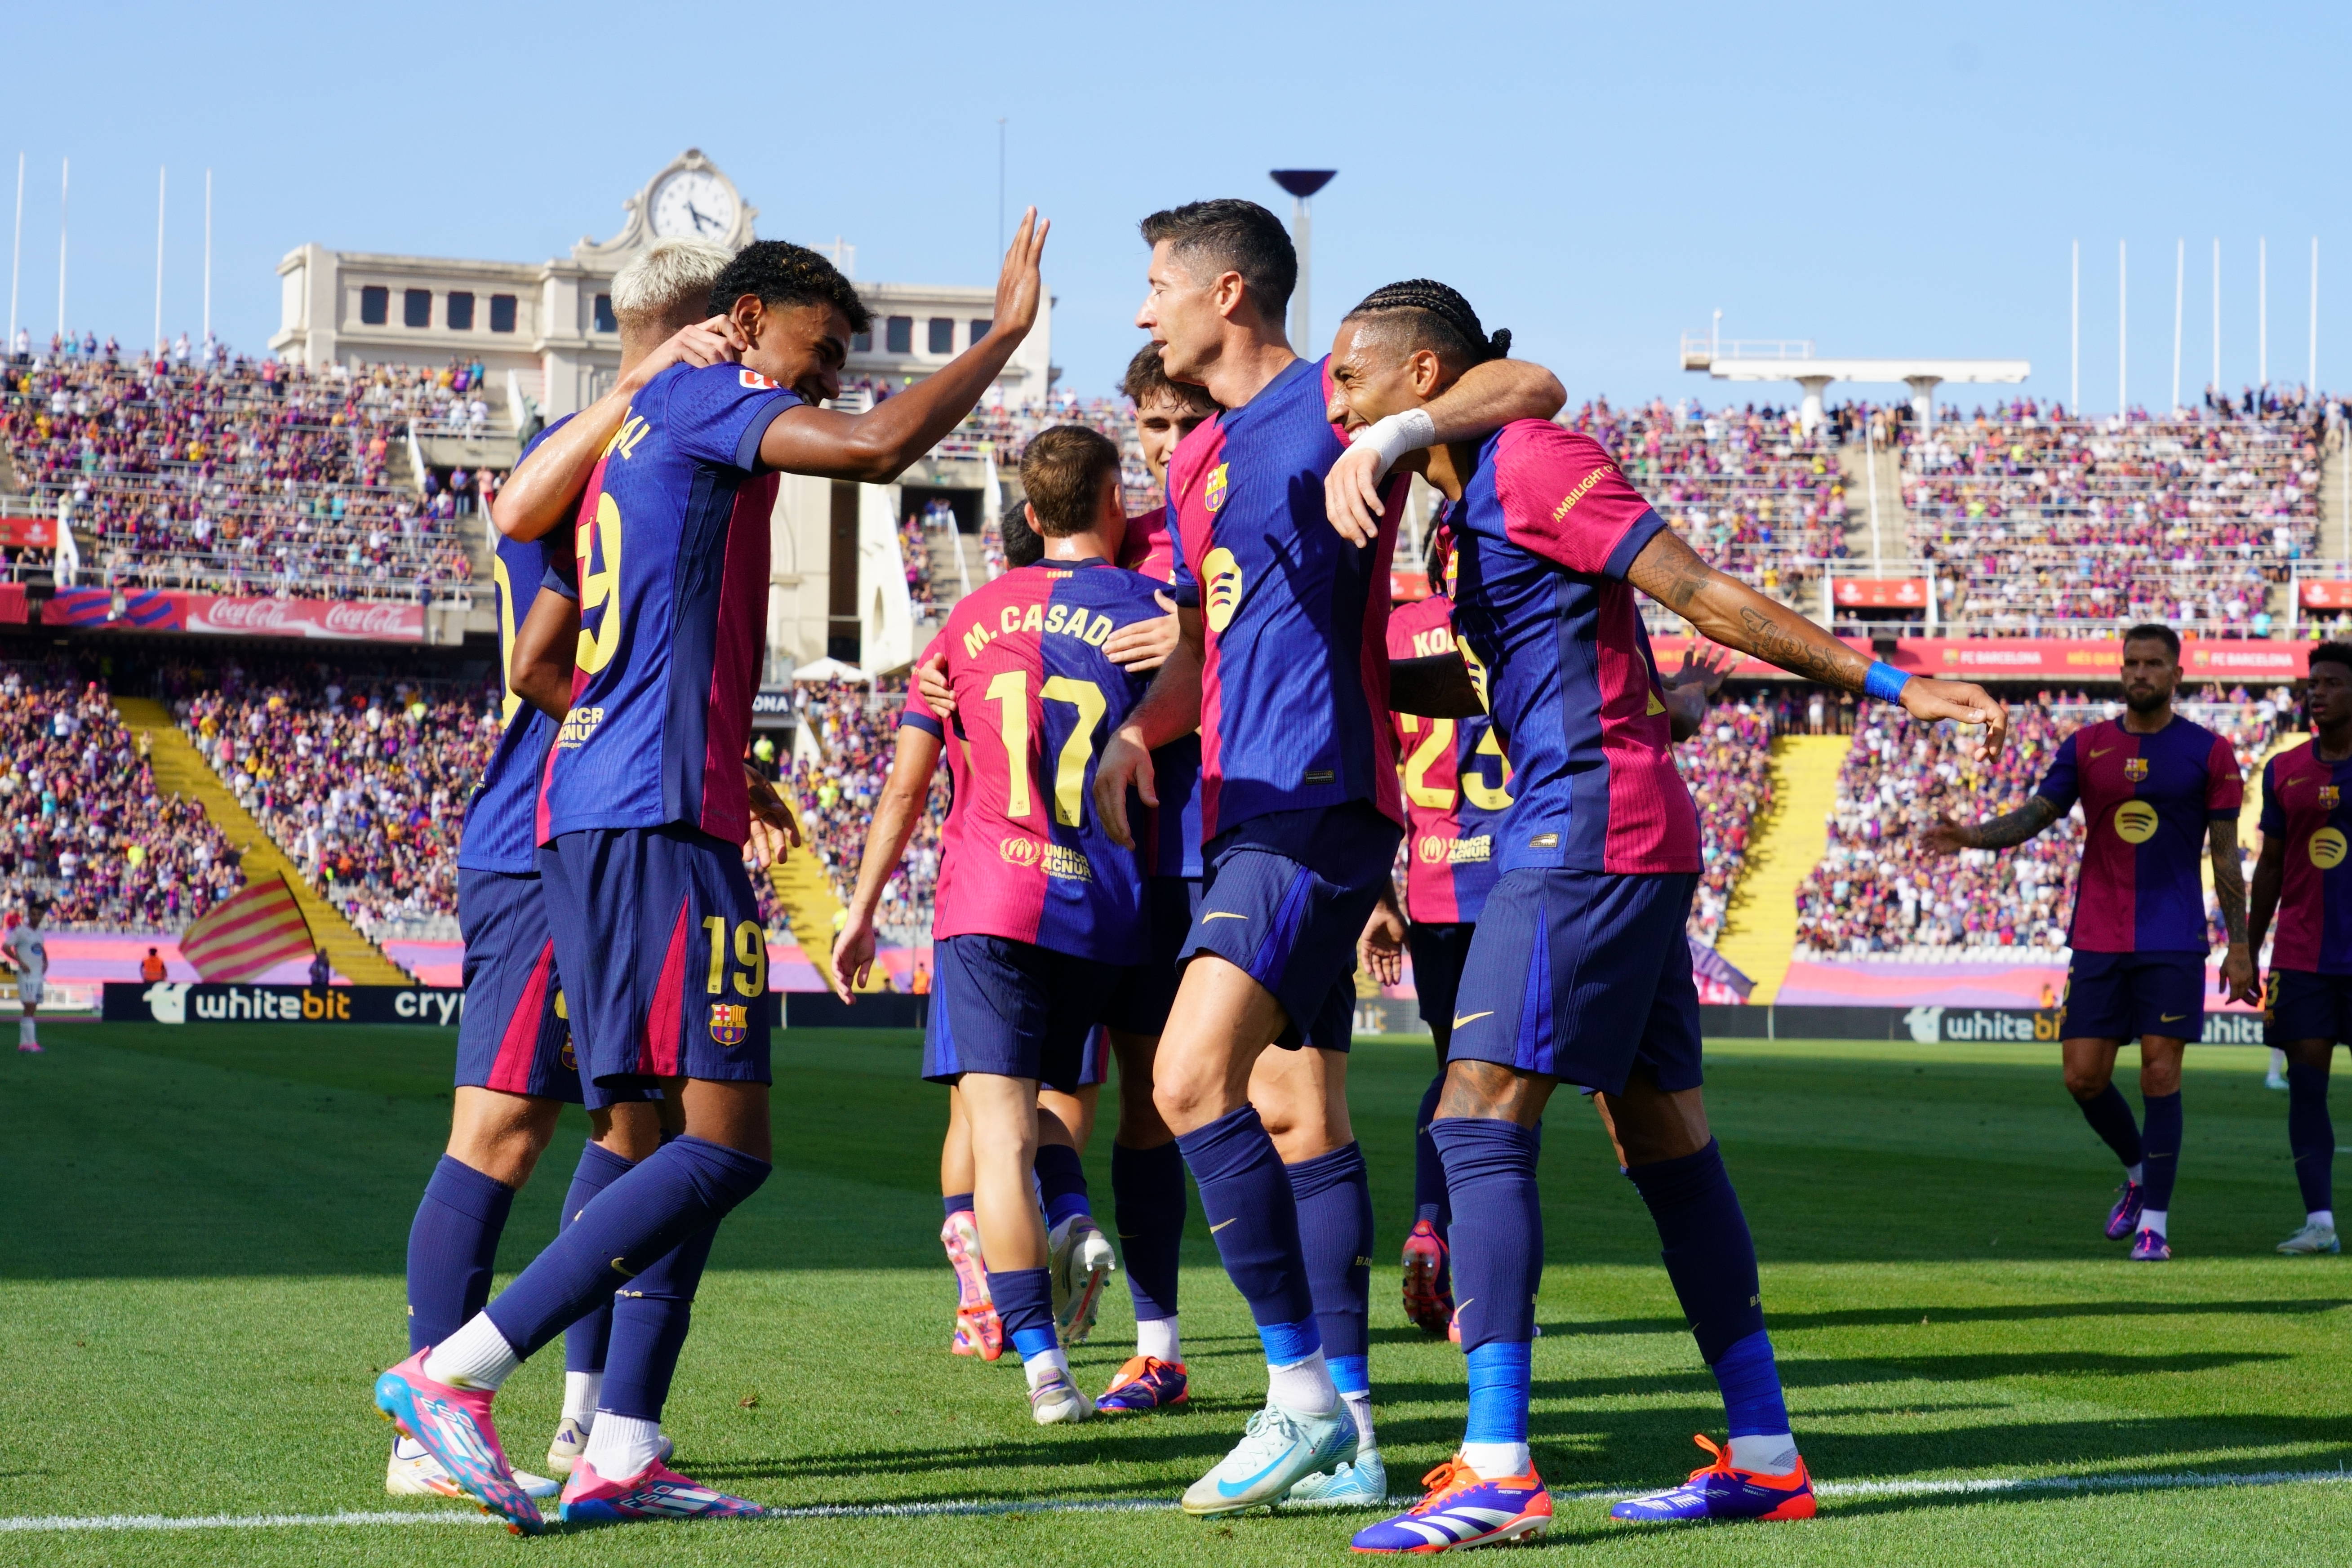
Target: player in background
(644, 816)
(1283, 670)
(2300, 880)
(1579, 970)
(2154, 788)
(515, 1064)
(29, 956)
(1147, 1171)
(1039, 915)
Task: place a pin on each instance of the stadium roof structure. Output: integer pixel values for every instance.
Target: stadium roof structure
(1922, 375)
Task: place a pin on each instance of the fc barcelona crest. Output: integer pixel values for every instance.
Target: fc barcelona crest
(2330, 796)
(730, 1022)
(1212, 494)
(2135, 768)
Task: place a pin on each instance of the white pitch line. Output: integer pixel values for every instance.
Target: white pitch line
(1981, 1487)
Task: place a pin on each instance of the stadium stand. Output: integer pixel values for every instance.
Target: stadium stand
(82, 824)
(1876, 892)
(2036, 525)
(363, 789)
(1728, 767)
(243, 478)
(853, 734)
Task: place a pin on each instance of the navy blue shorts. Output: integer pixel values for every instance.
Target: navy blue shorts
(512, 1037)
(658, 929)
(1140, 1005)
(1286, 900)
(1439, 949)
(2306, 1007)
(1015, 1009)
(2123, 995)
(1093, 1059)
(1582, 975)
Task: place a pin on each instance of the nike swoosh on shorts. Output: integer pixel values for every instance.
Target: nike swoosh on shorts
(1474, 1018)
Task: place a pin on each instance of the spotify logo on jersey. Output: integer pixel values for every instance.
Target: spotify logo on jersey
(2328, 846)
(2136, 821)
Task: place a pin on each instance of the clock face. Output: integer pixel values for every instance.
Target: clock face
(693, 204)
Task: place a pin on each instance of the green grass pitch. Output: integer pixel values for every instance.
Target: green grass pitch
(201, 1239)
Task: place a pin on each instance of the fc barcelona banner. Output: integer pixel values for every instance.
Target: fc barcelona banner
(221, 615)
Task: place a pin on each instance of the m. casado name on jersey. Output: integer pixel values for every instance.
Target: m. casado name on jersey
(1068, 620)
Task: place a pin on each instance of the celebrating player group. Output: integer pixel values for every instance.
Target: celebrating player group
(1184, 749)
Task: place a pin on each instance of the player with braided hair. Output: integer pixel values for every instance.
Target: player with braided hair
(1579, 970)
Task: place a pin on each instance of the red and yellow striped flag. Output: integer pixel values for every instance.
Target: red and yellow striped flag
(242, 936)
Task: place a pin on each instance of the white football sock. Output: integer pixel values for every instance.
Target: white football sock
(1157, 1337)
(1359, 1407)
(2152, 1219)
(2321, 1216)
(2132, 1174)
(1304, 1386)
(620, 1446)
(1766, 1453)
(1497, 1461)
(475, 1356)
(581, 1391)
(26, 1035)
(1041, 1368)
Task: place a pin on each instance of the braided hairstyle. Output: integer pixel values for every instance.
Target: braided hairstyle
(1435, 317)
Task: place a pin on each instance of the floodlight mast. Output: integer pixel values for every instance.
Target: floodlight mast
(1302, 183)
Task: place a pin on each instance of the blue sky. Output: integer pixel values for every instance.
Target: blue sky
(1884, 180)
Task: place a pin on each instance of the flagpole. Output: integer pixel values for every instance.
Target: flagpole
(65, 195)
(162, 176)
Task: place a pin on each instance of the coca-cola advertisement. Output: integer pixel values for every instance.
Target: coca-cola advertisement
(169, 610)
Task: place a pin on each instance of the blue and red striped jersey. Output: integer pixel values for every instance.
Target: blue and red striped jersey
(1458, 787)
(2304, 804)
(502, 817)
(672, 547)
(2146, 802)
(1295, 688)
(1170, 833)
(1023, 855)
(1547, 530)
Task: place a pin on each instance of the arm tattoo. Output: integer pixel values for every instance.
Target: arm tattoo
(1768, 641)
(2016, 827)
(2229, 881)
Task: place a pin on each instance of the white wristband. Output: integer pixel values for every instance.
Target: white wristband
(1398, 434)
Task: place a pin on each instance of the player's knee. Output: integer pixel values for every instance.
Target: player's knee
(632, 1129)
(2086, 1081)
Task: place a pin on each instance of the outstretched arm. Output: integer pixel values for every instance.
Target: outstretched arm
(545, 486)
(1738, 617)
(1947, 837)
(895, 814)
(2237, 980)
(1487, 397)
(876, 447)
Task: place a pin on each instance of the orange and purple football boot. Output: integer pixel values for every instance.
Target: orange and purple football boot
(1722, 1491)
(1145, 1383)
(1463, 1509)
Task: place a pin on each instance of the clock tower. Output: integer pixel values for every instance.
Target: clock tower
(689, 198)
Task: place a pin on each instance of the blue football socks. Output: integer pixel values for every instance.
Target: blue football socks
(1147, 1191)
(650, 1317)
(584, 1341)
(688, 1183)
(1334, 1232)
(2310, 1134)
(1710, 1255)
(2110, 1116)
(1024, 1304)
(453, 1244)
(2160, 1138)
(1500, 1377)
(1750, 1381)
(1498, 1240)
(955, 1203)
(1246, 1194)
(1061, 1184)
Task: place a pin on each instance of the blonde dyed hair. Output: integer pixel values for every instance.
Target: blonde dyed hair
(669, 281)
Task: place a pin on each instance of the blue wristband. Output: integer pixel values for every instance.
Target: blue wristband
(1884, 681)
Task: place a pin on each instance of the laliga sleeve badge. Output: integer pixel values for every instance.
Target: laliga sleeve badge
(731, 1023)
(755, 381)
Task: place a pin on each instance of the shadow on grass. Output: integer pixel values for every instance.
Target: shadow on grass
(2003, 1312)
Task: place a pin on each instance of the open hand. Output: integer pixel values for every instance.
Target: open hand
(1351, 494)
(1021, 286)
(1144, 644)
(1962, 702)
(1126, 764)
(1380, 950)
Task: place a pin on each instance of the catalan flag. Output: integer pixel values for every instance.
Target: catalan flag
(242, 936)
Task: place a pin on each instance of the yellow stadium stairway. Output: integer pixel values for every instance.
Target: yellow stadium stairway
(1760, 932)
(181, 769)
(814, 909)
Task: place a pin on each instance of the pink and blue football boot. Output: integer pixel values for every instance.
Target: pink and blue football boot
(1720, 1491)
(655, 1492)
(1145, 1383)
(1462, 1509)
(2124, 1218)
(454, 1427)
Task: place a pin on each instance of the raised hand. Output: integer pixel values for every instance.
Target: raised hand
(1021, 286)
